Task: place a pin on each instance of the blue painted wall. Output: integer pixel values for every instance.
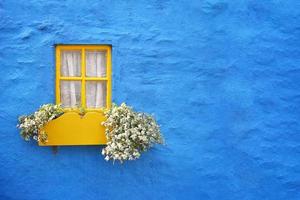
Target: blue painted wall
(221, 76)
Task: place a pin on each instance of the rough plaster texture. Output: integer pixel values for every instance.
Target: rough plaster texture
(221, 76)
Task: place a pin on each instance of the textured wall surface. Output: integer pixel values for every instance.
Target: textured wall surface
(222, 78)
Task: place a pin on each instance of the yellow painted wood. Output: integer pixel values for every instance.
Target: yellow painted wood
(70, 78)
(87, 47)
(86, 78)
(109, 75)
(72, 129)
(57, 88)
(101, 110)
(83, 78)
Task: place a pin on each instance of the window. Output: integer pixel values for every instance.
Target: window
(83, 79)
(83, 76)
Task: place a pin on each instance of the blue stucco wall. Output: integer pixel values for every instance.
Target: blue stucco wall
(221, 77)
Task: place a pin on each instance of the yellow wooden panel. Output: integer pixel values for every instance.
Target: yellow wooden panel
(72, 129)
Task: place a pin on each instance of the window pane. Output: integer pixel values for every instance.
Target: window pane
(70, 93)
(95, 63)
(70, 63)
(95, 94)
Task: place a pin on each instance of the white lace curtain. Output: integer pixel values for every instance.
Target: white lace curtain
(95, 90)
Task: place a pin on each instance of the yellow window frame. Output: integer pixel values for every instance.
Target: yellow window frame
(83, 78)
(72, 128)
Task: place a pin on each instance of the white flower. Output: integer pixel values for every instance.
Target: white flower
(129, 133)
(30, 125)
(103, 151)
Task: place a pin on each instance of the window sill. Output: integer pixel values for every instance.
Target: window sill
(73, 129)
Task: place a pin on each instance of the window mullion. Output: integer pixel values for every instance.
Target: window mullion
(70, 78)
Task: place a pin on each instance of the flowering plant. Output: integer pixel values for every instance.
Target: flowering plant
(129, 133)
(31, 125)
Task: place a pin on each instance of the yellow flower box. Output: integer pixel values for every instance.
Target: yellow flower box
(73, 129)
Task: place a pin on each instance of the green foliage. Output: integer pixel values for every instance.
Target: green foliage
(129, 133)
(31, 125)
(82, 111)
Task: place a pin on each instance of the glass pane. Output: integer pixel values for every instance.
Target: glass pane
(70, 93)
(70, 63)
(95, 94)
(95, 63)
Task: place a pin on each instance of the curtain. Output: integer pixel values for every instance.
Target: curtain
(95, 90)
(95, 94)
(71, 90)
(95, 63)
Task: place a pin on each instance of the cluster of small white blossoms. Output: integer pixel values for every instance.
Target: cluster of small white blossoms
(129, 133)
(31, 125)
